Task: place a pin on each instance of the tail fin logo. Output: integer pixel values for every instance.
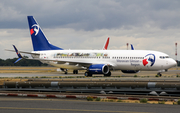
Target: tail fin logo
(35, 28)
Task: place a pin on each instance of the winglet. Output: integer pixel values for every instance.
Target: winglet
(18, 54)
(106, 44)
(17, 60)
(132, 48)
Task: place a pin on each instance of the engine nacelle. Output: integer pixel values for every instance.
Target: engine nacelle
(130, 71)
(98, 69)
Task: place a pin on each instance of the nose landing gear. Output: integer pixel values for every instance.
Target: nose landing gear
(159, 74)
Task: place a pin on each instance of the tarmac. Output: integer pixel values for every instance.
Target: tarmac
(47, 105)
(11, 102)
(170, 73)
(15, 71)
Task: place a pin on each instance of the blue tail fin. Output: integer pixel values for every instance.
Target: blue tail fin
(132, 48)
(39, 40)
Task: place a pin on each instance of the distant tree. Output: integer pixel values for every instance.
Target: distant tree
(2, 62)
(23, 62)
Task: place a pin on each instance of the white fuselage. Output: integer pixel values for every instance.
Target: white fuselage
(118, 59)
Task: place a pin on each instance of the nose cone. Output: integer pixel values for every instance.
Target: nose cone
(172, 63)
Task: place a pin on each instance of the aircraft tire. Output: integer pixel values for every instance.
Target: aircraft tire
(87, 74)
(159, 74)
(75, 71)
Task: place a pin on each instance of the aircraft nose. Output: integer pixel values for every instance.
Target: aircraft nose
(172, 63)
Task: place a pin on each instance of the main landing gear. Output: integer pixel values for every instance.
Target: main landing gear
(75, 71)
(64, 70)
(88, 74)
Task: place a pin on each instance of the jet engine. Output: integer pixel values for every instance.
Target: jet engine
(98, 69)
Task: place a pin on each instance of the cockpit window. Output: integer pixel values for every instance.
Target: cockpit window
(163, 57)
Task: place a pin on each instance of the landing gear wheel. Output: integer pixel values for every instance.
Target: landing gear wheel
(159, 74)
(64, 70)
(108, 74)
(75, 71)
(87, 74)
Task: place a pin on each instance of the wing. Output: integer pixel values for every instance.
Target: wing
(76, 62)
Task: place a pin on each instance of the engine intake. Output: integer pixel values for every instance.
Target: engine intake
(98, 69)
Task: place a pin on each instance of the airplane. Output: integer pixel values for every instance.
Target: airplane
(94, 61)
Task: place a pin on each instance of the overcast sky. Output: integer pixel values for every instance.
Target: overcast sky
(86, 24)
